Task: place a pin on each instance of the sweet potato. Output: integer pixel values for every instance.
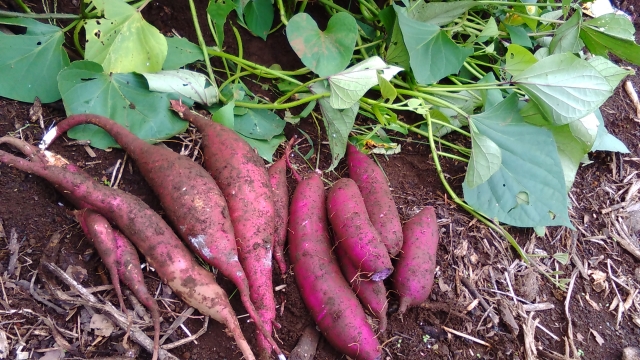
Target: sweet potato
(333, 305)
(372, 294)
(377, 198)
(244, 181)
(354, 232)
(278, 179)
(149, 232)
(415, 269)
(192, 200)
(121, 259)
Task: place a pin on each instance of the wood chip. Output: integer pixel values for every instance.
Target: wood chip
(89, 151)
(306, 347)
(599, 338)
(538, 307)
(593, 304)
(4, 346)
(507, 317)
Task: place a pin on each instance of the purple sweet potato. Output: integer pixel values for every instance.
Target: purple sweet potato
(150, 234)
(377, 198)
(121, 259)
(354, 232)
(372, 294)
(192, 200)
(278, 179)
(325, 292)
(415, 269)
(244, 181)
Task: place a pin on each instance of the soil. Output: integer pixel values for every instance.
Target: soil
(469, 253)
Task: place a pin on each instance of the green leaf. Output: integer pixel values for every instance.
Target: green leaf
(490, 30)
(386, 89)
(599, 43)
(124, 42)
(612, 72)
(530, 112)
(348, 86)
(265, 148)
(485, 160)
(432, 54)
(563, 258)
(193, 85)
(439, 13)
(218, 11)
(338, 124)
(180, 52)
(605, 141)
(564, 86)
(258, 15)
(30, 63)
(615, 25)
(573, 142)
(528, 190)
(225, 115)
(397, 52)
(518, 59)
(567, 37)
(325, 53)
(125, 98)
(518, 35)
(490, 97)
(259, 124)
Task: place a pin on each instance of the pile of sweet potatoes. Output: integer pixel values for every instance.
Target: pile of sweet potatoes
(235, 214)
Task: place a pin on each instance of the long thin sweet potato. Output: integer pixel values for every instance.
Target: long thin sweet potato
(354, 231)
(377, 198)
(278, 179)
(244, 181)
(149, 232)
(415, 269)
(192, 201)
(325, 292)
(121, 259)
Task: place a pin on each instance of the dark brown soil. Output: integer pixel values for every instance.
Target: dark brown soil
(468, 250)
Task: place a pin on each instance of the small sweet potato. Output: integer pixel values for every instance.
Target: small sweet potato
(372, 294)
(354, 232)
(278, 179)
(121, 259)
(325, 292)
(377, 198)
(415, 269)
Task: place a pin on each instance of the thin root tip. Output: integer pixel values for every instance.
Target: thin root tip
(48, 138)
(282, 357)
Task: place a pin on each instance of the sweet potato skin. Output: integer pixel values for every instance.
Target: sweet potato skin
(327, 295)
(372, 294)
(375, 191)
(415, 269)
(192, 201)
(151, 235)
(278, 180)
(241, 175)
(354, 232)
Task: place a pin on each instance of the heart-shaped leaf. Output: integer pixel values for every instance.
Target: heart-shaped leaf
(30, 63)
(180, 52)
(347, 87)
(124, 42)
(432, 53)
(324, 52)
(518, 59)
(565, 87)
(258, 15)
(485, 160)
(125, 98)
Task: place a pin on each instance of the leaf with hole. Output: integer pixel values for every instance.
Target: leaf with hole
(564, 87)
(30, 63)
(348, 86)
(123, 41)
(528, 189)
(518, 59)
(125, 98)
(324, 52)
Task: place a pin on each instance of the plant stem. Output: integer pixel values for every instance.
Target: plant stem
(509, 3)
(76, 37)
(283, 15)
(279, 74)
(455, 157)
(4, 13)
(527, 16)
(297, 89)
(203, 46)
(282, 106)
(22, 5)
